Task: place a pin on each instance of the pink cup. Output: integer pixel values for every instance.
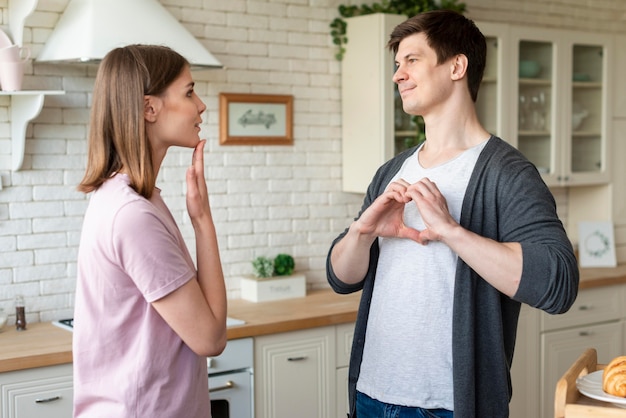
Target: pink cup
(14, 53)
(11, 75)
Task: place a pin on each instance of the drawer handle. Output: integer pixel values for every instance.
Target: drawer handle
(585, 308)
(299, 358)
(585, 333)
(228, 385)
(46, 400)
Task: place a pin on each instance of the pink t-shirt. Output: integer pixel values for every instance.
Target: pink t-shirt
(127, 361)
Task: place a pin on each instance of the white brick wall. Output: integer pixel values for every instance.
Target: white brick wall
(265, 199)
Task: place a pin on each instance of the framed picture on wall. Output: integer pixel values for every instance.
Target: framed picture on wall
(596, 247)
(256, 119)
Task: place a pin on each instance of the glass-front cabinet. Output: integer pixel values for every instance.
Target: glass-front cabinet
(561, 106)
(492, 105)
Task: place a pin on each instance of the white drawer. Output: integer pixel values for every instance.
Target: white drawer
(592, 306)
(345, 334)
(41, 392)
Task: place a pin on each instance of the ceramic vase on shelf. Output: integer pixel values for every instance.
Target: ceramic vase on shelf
(13, 59)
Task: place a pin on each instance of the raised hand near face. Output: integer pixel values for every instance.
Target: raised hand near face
(197, 195)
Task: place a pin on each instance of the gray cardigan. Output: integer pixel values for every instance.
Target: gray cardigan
(506, 200)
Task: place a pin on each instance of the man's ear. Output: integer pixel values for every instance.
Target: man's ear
(150, 108)
(458, 67)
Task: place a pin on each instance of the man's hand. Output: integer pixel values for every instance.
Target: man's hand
(433, 208)
(385, 216)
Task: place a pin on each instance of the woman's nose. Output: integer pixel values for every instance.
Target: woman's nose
(201, 105)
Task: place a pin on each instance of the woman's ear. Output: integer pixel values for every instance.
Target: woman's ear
(458, 67)
(150, 108)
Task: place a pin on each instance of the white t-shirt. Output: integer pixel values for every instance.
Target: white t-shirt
(407, 357)
(127, 361)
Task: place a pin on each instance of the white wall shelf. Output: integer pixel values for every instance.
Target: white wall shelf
(25, 106)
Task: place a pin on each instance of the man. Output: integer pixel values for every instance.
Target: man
(452, 237)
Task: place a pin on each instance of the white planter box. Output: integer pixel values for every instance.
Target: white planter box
(258, 289)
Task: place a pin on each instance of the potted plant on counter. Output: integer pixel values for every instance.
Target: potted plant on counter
(273, 279)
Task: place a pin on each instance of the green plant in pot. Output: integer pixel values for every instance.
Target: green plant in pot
(400, 7)
(281, 265)
(284, 265)
(263, 267)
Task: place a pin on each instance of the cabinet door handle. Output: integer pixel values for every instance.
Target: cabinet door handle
(299, 358)
(228, 385)
(46, 400)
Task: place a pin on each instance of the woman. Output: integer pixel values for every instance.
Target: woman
(145, 318)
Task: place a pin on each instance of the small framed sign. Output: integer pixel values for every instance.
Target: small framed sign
(596, 246)
(256, 119)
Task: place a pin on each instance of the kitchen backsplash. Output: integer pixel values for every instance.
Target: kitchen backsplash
(265, 199)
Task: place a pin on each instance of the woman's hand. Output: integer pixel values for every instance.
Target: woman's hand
(197, 194)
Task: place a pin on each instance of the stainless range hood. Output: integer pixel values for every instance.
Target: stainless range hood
(88, 29)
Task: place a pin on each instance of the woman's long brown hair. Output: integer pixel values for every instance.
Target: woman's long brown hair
(117, 133)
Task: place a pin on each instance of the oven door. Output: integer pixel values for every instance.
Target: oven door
(231, 395)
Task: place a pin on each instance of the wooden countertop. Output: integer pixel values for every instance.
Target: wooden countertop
(602, 276)
(41, 344)
(44, 344)
(318, 308)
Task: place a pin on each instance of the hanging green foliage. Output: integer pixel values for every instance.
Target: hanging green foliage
(400, 7)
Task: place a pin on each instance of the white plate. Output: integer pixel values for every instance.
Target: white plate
(591, 385)
(5, 41)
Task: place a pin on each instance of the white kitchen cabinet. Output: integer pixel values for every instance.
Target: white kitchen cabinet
(619, 143)
(563, 109)
(294, 374)
(303, 373)
(596, 320)
(367, 105)
(525, 369)
(619, 98)
(345, 335)
(343, 405)
(40, 392)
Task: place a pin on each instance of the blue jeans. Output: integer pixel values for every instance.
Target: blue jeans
(367, 407)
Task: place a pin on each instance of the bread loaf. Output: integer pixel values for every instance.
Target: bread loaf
(614, 377)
